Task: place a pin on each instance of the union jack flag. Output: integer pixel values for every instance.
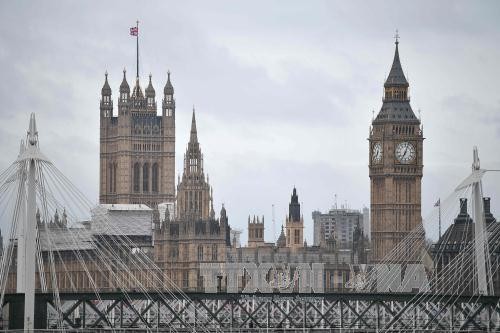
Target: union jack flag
(134, 31)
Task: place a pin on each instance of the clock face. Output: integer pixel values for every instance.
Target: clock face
(405, 152)
(377, 153)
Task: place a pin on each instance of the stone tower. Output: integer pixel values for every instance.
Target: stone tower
(195, 236)
(395, 163)
(137, 147)
(194, 193)
(255, 232)
(294, 223)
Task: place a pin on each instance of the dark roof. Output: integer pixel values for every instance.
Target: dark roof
(124, 87)
(396, 76)
(169, 89)
(396, 111)
(150, 91)
(281, 242)
(461, 232)
(106, 89)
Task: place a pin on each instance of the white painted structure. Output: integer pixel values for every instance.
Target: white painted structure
(27, 161)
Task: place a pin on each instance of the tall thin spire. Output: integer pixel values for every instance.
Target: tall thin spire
(396, 75)
(194, 132)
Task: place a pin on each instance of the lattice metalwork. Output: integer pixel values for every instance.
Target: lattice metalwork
(240, 312)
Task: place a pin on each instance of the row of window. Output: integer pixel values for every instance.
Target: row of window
(146, 170)
(147, 146)
(174, 252)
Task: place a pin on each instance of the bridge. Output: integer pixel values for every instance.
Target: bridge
(361, 312)
(459, 296)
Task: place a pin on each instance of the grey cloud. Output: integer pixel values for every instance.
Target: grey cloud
(54, 55)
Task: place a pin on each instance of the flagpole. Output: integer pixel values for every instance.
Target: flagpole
(440, 218)
(137, 41)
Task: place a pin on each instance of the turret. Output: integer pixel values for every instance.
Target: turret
(294, 223)
(255, 232)
(106, 102)
(168, 105)
(124, 93)
(150, 96)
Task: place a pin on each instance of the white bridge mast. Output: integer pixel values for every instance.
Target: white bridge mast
(481, 251)
(480, 237)
(28, 159)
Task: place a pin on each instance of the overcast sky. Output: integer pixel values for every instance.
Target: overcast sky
(283, 90)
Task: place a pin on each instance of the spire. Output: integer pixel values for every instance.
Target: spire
(150, 91)
(106, 89)
(396, 76)
(124, 87)
(169, 89)
(194, 132)
(137, 89)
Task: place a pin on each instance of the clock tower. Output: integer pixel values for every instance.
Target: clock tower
(396, 164)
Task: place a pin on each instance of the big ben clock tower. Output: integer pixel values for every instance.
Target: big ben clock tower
(396, 164)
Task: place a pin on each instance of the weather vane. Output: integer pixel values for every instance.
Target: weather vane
(396, 37)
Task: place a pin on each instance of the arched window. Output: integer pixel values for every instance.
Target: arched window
(145, 177)
(200, 253)
(137, 175)
(154, 176)
(111, 178)
(114, 177)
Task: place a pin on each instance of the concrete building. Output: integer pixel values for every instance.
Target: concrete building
(337, 224)
(366, 223)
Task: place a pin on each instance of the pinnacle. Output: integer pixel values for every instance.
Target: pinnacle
(194, 132)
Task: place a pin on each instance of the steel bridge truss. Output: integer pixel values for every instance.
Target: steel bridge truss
(234, 312)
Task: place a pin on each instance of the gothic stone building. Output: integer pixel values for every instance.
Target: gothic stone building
(137, 147)
(195, 236)
(395, 164)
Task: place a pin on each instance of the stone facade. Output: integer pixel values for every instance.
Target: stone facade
(294, 223)
(137, 147)
(195, 236)
(255, 232)
(396, 165)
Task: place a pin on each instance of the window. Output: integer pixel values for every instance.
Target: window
(297, 236)
(145, 177)
(214, 252)
(154, 176)
(185, 279)
(114, 177)
(137, 173)
(200, 253)
(111, 169)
